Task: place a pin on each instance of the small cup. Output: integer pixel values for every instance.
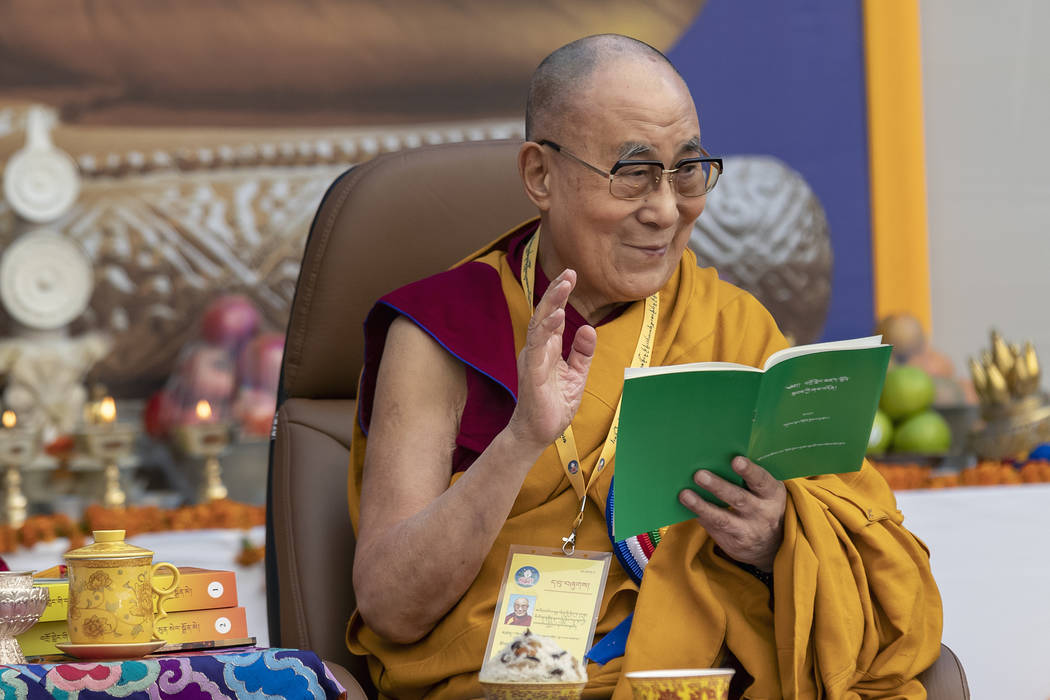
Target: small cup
(681, 683)
(111, 591)
(532, 691)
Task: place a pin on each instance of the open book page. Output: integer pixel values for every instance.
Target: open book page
(814, 412)
(670, 426)
(810, 412)
(632, 372)
(872, 341)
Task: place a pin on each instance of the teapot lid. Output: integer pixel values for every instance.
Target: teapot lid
(108, 544)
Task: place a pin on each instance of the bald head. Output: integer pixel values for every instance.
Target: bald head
(561, 77)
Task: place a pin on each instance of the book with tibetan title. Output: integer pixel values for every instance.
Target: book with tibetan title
(808, 411)
(57, 599)
(187, 629)
(202, 613)
(198, 589)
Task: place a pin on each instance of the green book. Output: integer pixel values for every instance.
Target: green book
(808, 411)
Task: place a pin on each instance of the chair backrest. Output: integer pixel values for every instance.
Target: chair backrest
(382, 224)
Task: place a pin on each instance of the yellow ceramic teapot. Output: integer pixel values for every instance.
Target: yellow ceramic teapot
(111, 591)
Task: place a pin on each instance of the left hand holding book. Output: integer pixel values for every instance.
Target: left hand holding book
(807, 412)
(752, 528)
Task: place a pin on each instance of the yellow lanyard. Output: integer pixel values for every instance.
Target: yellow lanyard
(566, 442)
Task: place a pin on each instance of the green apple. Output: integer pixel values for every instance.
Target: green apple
(924, 433)
(907, 391)
(881, 434)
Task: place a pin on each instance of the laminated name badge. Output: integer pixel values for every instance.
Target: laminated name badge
(552, 594)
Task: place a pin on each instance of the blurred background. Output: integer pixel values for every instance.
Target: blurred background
(162, 163)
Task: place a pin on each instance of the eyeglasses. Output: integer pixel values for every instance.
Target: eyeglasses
(634, 179)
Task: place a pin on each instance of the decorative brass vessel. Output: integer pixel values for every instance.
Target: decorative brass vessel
(1015, 412)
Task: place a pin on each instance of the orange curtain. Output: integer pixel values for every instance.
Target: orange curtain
(897, 150)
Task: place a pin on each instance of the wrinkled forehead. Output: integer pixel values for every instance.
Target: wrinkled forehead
(636, 108)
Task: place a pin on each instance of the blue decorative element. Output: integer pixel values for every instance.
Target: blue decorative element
(11, 686)
(264, 676)
(1041, 452)
(527, 576)
(132, 672)
(621, 548)
(614, 644)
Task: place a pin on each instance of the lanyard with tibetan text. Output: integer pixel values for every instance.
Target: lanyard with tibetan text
(566, 442)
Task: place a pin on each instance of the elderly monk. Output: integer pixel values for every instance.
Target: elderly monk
(810, 588)
(520, 616)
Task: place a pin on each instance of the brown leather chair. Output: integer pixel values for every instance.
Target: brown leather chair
(387, 222)
(382, 224)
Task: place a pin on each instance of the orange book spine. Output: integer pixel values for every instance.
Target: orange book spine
(202, 625)
(199, 589)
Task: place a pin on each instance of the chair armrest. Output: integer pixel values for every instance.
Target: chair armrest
(946, 679)
(346, 679)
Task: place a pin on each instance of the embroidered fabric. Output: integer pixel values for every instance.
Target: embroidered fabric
(286, 673)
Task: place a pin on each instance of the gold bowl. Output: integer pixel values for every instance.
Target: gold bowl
(533, 691)
(681, 684)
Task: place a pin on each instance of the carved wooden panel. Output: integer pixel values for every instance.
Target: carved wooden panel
(168, 230)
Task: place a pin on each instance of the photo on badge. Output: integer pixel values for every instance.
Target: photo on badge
(550, 594)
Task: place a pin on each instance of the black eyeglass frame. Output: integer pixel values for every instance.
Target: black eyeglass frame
(669, 173)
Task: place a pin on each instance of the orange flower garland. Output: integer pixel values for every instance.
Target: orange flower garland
(224, 514)
(902, 477)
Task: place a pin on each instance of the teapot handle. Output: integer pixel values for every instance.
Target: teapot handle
(163, 594)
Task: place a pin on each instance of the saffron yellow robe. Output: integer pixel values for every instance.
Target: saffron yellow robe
(856, 615)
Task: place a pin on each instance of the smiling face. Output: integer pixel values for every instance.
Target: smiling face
(623, 250)
(521, 607)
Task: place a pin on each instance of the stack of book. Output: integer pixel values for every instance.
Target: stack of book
(203, 613)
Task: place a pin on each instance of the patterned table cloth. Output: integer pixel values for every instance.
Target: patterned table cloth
(254, 673)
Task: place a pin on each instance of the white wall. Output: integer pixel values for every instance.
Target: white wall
(986, 86)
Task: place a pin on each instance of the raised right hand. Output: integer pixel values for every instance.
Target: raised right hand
(550, 388)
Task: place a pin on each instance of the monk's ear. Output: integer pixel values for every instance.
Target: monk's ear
(533, 165)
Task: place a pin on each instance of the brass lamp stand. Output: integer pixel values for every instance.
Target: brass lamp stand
(109, 442)
(18, 446)
(206, 439)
